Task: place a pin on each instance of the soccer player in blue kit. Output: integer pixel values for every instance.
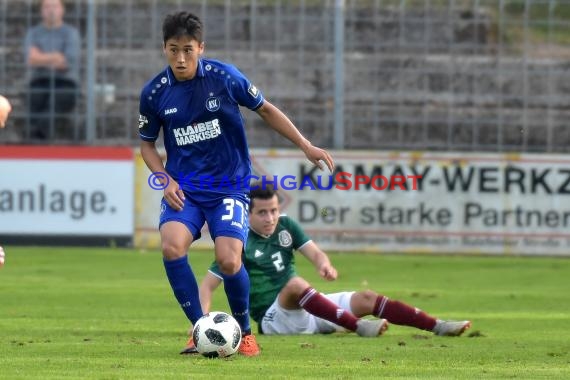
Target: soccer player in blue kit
(195, 101)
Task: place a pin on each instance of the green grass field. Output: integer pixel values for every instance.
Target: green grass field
(109, 314)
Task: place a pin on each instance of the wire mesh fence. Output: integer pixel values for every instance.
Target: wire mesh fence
(472, 75)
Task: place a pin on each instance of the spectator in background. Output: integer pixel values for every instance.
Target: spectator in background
(52, 52)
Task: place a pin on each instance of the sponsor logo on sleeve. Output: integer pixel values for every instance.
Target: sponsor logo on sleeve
(253, 91)
(143, 121)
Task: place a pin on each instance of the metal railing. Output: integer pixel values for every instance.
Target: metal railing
(483, 75)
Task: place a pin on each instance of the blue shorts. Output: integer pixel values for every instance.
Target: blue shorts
(227, 216)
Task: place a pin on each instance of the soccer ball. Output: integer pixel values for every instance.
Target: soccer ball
(217, 334)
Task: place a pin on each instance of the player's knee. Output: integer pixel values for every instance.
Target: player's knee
(367, 297)
(229, 265)
(296, 286)
(172, 250)
(363, 303)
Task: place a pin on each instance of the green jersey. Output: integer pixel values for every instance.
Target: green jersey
(270, 263)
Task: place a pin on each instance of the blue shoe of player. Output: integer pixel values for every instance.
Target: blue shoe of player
(450, 328)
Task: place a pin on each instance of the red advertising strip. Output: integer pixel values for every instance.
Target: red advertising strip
(35, 152)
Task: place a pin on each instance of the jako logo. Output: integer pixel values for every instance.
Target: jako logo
(170, 111)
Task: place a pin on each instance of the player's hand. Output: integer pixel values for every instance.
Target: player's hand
(174, 195)
(317, 156)
(328, 272)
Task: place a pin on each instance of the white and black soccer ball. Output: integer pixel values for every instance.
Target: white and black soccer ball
(217, 334)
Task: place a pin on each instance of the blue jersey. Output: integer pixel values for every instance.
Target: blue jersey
(203, 129)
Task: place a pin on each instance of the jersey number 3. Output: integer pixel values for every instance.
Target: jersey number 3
(231, 206)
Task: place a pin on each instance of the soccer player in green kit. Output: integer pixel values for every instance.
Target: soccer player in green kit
(283, 303)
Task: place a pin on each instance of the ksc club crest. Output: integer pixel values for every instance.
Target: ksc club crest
(213, 104)
(285, 238)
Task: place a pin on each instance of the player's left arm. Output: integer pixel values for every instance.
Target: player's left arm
(247, 95)
(319, 259)
(279, 122)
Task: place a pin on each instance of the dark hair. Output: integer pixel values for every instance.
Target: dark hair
(182, 24)
(261, 190)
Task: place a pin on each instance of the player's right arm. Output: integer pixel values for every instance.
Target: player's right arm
(310, 249)
(320, 260)
(209, 284)
(149, 128)
(207, 287)
(172, 192)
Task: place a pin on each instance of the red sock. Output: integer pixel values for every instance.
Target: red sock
(320, 306)
(399, 313)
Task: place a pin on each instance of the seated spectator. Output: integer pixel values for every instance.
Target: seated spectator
(52, 52)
